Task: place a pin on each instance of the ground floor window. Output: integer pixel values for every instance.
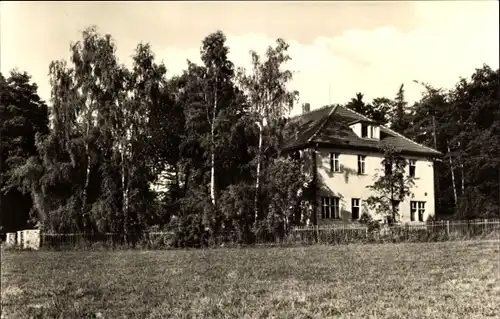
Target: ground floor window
(417, 208)
(330, 208)
(355, 208)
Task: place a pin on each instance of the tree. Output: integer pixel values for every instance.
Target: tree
(399, 120)
(391, 187)
(24, 115)
(457, 122)
(475, 114)
(358, 105)
(214, 150)
(430, 127)
(139, 137)
(53, 175)
(219, 88)
(379, 110)
(99, 82)
(268, 95)
(284, 185)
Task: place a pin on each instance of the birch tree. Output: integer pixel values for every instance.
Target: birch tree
(269, 96)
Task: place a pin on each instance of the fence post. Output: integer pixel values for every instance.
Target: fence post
(448, 228)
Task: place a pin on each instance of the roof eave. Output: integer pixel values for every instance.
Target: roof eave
(373, 148)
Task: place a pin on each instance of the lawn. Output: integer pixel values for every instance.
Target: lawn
(429, 280)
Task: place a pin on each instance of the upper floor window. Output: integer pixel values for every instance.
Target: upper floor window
(364, 130)
(361, 164)
(330, 208)
(413, 168)
(334, 162)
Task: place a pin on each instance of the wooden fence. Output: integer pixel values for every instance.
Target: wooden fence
(332, 234)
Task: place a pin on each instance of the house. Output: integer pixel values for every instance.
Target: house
(341, 150)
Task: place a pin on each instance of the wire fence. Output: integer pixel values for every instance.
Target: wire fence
(421, 232)
(305, 235)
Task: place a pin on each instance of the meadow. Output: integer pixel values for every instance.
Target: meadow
(407, 280)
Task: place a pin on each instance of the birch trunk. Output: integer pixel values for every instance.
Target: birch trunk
(124, 190)
(462, 173)
(212, 156)
(453, 179)
(86, 185)
(257, 183)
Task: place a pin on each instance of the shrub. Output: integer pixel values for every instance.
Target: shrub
(367, 219)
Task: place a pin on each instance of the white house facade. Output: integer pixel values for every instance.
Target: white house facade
(343, 151)
(344, 175)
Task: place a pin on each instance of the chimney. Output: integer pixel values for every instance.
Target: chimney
(306, 108)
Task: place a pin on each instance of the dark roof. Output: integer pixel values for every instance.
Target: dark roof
(329, 127)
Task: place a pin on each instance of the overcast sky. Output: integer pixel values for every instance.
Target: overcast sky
(337, 48)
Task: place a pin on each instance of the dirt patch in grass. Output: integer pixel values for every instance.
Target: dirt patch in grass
(431, 280)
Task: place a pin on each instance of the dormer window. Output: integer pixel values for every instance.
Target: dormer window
(366, 129)
(369, 131)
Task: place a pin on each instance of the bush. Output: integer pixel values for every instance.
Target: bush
(163, 240)
(342, 236)
(367, 219)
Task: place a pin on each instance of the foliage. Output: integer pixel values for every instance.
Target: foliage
(237, 205)
(379, 110)
(367, 219)
(391, 187)
(399, 120)
(457, 122)
(270, 101)
(282, 192)
(24, 116)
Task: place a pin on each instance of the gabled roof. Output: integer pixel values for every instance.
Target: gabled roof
(329, 127)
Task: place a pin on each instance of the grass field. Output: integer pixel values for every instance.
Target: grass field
(431, 280)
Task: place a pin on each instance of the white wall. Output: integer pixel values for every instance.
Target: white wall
(356, 128)
(347, 184)
(28, 238)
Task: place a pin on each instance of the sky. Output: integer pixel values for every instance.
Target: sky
(337, 48)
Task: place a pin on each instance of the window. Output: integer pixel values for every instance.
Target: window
(361, 164)
(421, 211)
(334, 162)
(364, 130)
(330, 208)
(355, 208)
(413, 210)
(417, 207)
(372, 132)
(413, 167)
